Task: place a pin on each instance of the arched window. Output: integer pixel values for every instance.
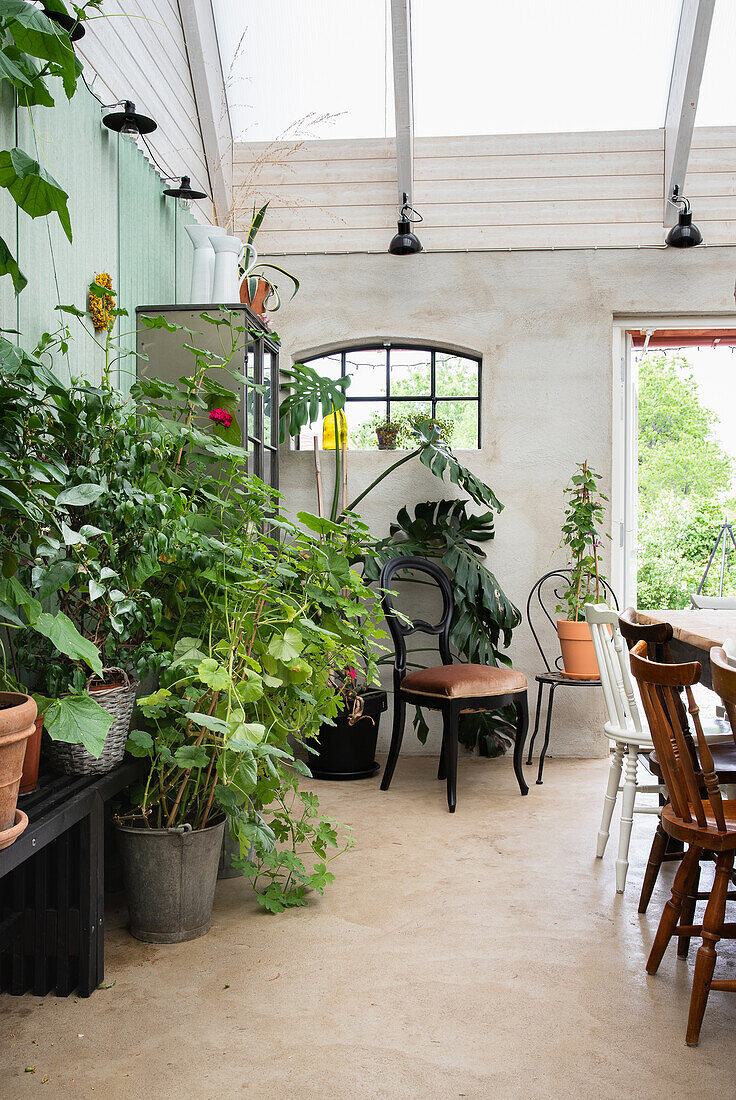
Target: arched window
(398, 383)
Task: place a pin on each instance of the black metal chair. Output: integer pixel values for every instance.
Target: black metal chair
(547, 591)
(450, 688)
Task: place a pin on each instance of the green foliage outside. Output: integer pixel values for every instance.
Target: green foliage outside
(686, 486)
(454, 377)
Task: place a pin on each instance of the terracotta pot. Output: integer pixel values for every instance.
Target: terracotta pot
(578, 654)
(17, 724)
(258, 305)
(30, 760)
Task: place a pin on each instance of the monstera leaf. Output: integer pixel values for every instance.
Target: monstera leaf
(310, 395)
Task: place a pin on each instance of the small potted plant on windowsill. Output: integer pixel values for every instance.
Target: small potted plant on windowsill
(445, 428)
(584, 512)
(387, 434)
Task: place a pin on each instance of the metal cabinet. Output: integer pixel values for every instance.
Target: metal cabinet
(162, 354)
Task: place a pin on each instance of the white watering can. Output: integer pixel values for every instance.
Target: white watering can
(229, 252)
(203, 266)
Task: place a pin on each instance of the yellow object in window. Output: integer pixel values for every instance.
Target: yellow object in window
(328, 432)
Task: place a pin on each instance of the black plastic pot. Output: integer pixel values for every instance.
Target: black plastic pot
(170, 877)
(349, 752)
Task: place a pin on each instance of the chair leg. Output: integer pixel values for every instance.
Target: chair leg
(688, 916)
(397, 735)
(441, 769)
(522, 726)
(540, 685)
(656, 855)
(450, 716)
(609, 802)
(627, 817)
(671, 914)
(545, 746)
(705, 959)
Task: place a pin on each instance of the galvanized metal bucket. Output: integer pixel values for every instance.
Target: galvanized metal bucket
(170, 877)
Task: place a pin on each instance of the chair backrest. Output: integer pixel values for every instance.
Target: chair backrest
(544, 597)
(716, 603)
(659, 685)
(657, 635)
(401, 626)
(723, 672)
(613, 667)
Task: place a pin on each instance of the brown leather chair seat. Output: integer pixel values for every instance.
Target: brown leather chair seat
(464, 681)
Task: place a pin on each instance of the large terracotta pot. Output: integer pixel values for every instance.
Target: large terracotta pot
(31, 759)
(17, 724)
(578, 654)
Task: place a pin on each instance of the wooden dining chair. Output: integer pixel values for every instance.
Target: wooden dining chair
(706, 823)
(624, 729)
(723, 671)
(657, 637)
(453, 689)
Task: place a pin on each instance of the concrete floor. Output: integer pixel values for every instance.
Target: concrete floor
(481, 955)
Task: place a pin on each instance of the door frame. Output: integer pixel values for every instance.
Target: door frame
(624, 460)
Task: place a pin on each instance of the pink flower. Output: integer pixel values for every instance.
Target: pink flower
(222, 416)
(351, 674)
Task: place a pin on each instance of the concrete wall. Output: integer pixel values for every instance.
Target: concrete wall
(542, 322)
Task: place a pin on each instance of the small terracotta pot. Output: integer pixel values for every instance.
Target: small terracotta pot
(578, 654)
(31, 759)
(17, 724)
(258, 305)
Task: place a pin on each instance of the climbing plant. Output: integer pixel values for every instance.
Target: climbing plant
(33, 50)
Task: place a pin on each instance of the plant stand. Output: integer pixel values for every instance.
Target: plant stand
(348, 752)
(52, 915)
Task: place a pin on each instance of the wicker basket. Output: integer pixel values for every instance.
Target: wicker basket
(118, 701)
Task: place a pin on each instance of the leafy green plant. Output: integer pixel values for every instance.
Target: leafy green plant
(445, 427)
(584, 515)
(32, 49)
(273, 299)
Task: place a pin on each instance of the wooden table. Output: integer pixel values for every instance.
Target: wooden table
(695, 634)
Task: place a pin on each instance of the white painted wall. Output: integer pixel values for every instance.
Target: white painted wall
(543, 323)
(503, 191)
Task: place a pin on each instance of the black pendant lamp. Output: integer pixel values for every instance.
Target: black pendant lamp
(405, 242)
(184, 191)
(684, 234)
(128, 121)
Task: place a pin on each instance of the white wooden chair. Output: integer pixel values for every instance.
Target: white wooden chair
(625, 728)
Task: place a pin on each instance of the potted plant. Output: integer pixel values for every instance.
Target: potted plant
(17, 725)
(346, 747)
(256, 290)
(387, 433)
(584, 515)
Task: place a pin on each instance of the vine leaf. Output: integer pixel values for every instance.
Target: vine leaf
(33, 189)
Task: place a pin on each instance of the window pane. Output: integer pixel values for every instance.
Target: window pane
(411, 372)
(405, 411)
(367, 372)
(268, 358)
(455, 376)
(362, 417)
(250, 366)
(328, 365)
(464, 417)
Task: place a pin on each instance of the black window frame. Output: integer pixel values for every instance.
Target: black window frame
(432, 349)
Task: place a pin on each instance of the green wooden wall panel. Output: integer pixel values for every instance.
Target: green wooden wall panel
(8, 219)
(121, 223)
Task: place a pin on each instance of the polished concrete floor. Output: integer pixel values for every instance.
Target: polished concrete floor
(483, 955)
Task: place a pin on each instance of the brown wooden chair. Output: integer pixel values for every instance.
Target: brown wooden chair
(724, 684)
(657, 637)
(706, 823)
(453, 689)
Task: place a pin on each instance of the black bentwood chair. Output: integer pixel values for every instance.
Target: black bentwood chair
(547, 591)
(451, 689)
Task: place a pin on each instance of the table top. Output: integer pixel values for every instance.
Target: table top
(701, 628)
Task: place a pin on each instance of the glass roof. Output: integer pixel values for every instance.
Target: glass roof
(322, 68)
(312, 69)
